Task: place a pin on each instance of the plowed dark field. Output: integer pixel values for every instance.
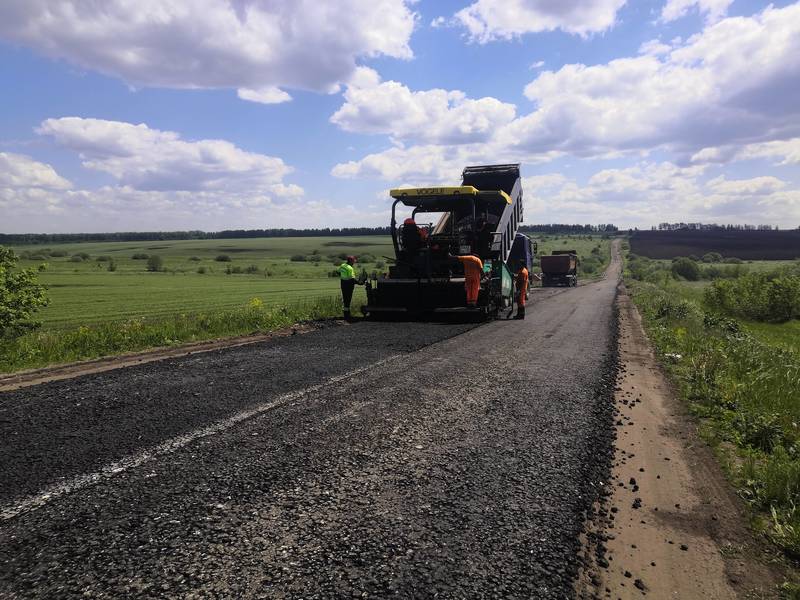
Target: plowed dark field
(747, 245)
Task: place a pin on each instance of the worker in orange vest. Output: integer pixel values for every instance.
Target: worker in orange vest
(473, 271)
(522, 290)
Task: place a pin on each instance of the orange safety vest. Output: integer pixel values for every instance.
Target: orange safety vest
(473, 269)
(522, 285)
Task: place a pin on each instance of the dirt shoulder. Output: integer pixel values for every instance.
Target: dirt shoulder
(672, 526)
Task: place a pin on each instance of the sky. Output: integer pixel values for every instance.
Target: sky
(146, 115)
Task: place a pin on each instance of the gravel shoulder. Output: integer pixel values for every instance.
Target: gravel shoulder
(672, 526)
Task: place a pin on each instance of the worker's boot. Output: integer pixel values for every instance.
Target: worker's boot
(520, 313)
(347, 316)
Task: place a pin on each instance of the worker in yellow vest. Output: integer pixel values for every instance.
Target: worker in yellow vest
(347, 275)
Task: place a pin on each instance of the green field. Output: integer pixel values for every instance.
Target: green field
(84, 293)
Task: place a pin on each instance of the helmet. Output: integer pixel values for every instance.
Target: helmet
(352, 259)
(409, 221)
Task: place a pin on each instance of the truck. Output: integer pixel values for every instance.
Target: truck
(560, 268)
(480, 217)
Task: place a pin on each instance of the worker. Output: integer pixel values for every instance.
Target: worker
(412, 238)
(347, 275)
(483, 238)
(522, 290)
(473, 271)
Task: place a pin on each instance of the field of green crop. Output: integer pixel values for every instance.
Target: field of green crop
(84, 292)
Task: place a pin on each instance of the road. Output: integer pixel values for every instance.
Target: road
(371, 460)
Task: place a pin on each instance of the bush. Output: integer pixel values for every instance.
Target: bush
(112, 266)
(315, 258)
(195, 258)
(366, 258)
(103, 258)
(298, 258)
(712, 257)
(251, 269)
(222, 258)
(379, 264)
(201, 270)
(58, 253)
(756, 296)
(155, 263)
(686, 268)
(76, 258)
(20, 296)
(732, 260)
(140, 256)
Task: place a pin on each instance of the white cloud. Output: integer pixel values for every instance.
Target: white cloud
(729, 92)
(151, 159)
(756, 186)
(648, 193)
(430, 163)
(488, 20)
(19, 171)
(654, 48)
(737, 82)
(781, 152)
(714, 10)
(265, 95)
(122, 208)
(431, 116)
(257, 46)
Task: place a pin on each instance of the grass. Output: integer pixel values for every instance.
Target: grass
(49, 346)
(783, 335)
(746, 389)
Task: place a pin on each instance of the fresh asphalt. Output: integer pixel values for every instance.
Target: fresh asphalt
(371, 460)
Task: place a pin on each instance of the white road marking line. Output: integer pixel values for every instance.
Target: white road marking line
(169, 446)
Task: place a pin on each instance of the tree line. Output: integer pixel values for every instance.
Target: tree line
(712, 227)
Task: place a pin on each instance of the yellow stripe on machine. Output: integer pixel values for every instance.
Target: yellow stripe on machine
(442, 191)
(433, 191)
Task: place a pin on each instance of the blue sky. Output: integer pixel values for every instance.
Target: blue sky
(268, 113)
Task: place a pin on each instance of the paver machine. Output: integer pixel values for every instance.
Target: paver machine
(480, 217)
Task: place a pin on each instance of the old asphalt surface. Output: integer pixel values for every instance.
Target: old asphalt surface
(373, 460)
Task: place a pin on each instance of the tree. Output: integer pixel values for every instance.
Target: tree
(686, 268)
(155, 263)
(20, 296)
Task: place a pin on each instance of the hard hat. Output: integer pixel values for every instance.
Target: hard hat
(352, 259)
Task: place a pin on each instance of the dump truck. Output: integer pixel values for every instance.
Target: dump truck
(560, 268)
(480, 217)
